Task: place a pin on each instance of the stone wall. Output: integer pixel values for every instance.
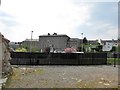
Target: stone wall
(5, 56)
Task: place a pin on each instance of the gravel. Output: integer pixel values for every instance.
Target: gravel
(100, 76)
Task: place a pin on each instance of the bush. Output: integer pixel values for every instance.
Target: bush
(21, 50)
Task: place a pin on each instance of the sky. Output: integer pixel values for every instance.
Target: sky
(96, 20)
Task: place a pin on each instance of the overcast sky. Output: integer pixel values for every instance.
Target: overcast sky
(96, 20)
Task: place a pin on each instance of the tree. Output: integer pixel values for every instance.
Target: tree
(113, 49)
(118, 49)
(79, 49)
(26, 47)
(99, 48)
(85, 41)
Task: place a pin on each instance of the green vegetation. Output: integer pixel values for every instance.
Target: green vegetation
(111, 61)
(91, 47)
(21, 49)
(114, 49)
(86, 47)
(118, 49)
(35, 50)
(25, 48)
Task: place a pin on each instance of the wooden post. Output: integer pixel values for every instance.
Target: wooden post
(0, 55)
(114, 60)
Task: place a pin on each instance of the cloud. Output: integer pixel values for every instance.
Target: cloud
(9, 23)
(106, 30)
(43, 16)
(77, 1)
(69, 17)
(4, 14)
(102, 24)
(99, 30)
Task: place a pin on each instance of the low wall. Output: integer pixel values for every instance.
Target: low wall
(26, 58)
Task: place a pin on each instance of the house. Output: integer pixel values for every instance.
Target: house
(58, 42)
(74, 42)
(31, 44)
(14, 45)
(108, 44)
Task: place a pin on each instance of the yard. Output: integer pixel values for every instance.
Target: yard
(100, 76)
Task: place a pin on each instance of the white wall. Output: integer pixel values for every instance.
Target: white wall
(108, 46)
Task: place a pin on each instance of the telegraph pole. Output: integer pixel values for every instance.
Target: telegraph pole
(31, 41)
(82, 42)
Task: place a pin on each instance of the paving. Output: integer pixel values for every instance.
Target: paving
(56, 76)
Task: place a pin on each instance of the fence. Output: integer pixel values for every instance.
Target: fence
(116, 55)
(27, 58)
(113, 55)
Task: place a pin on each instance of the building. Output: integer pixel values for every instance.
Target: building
(74, 42)
(109, 41)
(108, 44)
(31, 44)
(14, 45)
(92, 41)
(55, 41)
(58, 42)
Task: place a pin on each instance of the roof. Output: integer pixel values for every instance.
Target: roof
(31, 40)
(59, 35)
(103, 41)
(74, 39)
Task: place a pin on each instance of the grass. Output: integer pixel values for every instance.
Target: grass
(112, 60)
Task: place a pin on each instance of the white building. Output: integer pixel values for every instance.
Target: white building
(108, 46)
